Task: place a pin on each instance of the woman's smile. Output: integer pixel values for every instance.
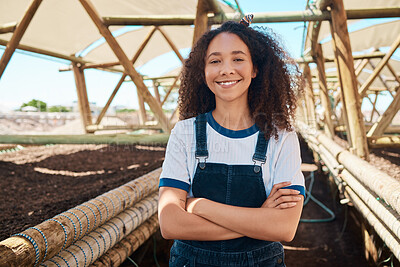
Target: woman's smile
(228, 84)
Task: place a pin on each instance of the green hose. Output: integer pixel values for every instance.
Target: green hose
(319, 203)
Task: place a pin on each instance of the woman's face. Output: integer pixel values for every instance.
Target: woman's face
(228, 68)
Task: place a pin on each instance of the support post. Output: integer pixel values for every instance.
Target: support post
(142, 109)
(122, 79)
(309, 98)
(171, 44)
(170, 90)
(379, 67)
(17, 35)
(201, 20)
(345, 67)
(384, 120)
(156, 92)
(127, 64)
(110, 99)
(396, 77)
(325, 100)
(83, 100)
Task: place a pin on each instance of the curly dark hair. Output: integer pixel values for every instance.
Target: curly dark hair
(272, 94)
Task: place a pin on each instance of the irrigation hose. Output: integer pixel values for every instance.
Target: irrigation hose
(155, 251)
(132, 261)
(319, 203)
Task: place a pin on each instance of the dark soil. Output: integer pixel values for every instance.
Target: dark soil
(29, 194)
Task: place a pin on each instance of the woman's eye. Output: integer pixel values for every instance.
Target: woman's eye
(238, 59)
(214, 61)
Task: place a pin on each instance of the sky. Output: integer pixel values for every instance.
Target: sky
(31, 76)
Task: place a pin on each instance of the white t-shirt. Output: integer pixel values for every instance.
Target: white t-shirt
(230, 147)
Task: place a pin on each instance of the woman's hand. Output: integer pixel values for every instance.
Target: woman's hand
(282, 198)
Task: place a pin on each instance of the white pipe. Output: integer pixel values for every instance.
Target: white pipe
(380, 228)
(384, 219)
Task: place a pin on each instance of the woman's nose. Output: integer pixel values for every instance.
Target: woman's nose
(227, 68)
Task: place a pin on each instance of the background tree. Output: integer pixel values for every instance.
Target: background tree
(40, 105)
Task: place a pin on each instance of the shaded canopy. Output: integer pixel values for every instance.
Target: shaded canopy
(380, 35)
(64, 27)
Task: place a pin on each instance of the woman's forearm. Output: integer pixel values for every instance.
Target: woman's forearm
(260, 223)
(177, 223)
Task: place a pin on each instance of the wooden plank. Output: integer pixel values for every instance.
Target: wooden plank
(391, 129)
(122, 79)
(386, 118)
(156, 92)
(18, 33)
(131, 127)
(309, 59)
(83, 101)
(325, 100)
(201, 21)
(127, 64)
(259, 17)
(396, 77)
(171, 44)
(316, 27)
(101, 65)
(345, 67)
(110, 99)
(170, 90)
(119, 139)
(358, 71)
(8, 27)
(379, 67)
(374, 107)
(46, 52)
(142, 109)
(392, 141)
(383, 81)
(309, 98)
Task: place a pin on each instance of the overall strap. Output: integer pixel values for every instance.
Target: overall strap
(260, 155)
(201, 140)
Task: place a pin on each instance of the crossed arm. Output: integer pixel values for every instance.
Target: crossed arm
(206, 220)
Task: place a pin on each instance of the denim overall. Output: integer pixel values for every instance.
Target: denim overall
(237, 185)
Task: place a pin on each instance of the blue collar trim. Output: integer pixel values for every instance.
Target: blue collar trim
(227, 132)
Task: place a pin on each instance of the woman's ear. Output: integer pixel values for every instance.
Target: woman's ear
(254, 73)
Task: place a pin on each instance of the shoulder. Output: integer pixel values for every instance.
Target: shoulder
(285, 137)
(183, 126)
(183, 130)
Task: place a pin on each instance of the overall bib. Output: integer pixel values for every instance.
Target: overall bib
(237, 185)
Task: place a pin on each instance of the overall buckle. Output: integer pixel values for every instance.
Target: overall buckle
(202, 161)
(258, 164)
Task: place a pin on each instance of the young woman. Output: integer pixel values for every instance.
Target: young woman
(231, 186)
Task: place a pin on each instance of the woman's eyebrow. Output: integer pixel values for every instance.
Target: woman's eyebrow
(235, 52)
(238, 52)
(214, 54)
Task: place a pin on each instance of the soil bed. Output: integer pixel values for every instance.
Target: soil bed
(38, 183)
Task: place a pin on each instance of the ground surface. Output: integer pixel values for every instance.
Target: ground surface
(37, 183)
